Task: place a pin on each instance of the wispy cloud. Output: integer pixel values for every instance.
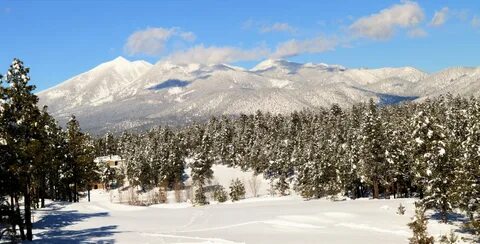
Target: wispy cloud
(440, 17)
(382, 25)
(417, 33)
(262, 27)
(296, 47)
(278, 27)
(151, 41)
(214, 55)
(476, 22)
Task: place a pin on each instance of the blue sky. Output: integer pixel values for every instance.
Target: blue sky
(59, 39)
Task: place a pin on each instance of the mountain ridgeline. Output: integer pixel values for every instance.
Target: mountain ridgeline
(124, 95)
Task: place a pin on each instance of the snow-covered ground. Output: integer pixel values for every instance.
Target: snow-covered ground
(255, 220)
(263, 219)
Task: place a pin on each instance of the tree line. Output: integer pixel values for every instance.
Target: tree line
(38, 159)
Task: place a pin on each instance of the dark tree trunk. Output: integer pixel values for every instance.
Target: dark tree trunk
(13, 218)
(75, 192)
(397, 190)
(375, 189)
(18, 219)
(28, 210)
(70, 199)
(42, 193)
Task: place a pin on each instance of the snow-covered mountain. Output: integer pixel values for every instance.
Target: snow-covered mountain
(105, 83)
(121, 94)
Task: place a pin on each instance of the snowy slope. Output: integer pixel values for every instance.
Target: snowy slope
(461, 80)
(121, 94)
(103, 84)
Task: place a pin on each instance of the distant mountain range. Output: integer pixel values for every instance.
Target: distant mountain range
(124, 95)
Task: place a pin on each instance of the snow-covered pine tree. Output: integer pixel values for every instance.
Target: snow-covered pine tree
(220, 194)
(335, 151)
(351, 165)
(127, 151)
(419, 227)
(82, 169)
(280, 166)
(237, 190)
(398, 175)
(373, 149)
(175, 167)
(434, 171)
(224, 145)
(469, 171)
(22, 134)
(201, 167)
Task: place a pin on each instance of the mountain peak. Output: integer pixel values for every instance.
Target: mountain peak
(271, 63)
(120, 59)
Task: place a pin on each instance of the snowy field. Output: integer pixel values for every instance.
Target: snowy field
(254, 220)
(261, 220)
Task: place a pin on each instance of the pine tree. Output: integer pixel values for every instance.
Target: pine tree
(434, 169)
(201, 167)
(468, 174)
(219, 194)
(352, 164)
(22, 134)
(373, 151)
(399, 172)
(81, 170)
(237, 190)
(419, 227)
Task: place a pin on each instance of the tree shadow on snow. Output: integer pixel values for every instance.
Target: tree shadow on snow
(452, 217)
(77, 236)
(53, 223)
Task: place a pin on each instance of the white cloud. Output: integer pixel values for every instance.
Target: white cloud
(296, 47)
(440, 17)
(382, 25)
(278, 27)
(214, 55)
(417, 33)
(151, 41)
(476, 22)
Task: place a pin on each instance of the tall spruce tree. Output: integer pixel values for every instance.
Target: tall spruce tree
(201, 166)
(469, 171)
(22, 133)
(373, 151)
(81, 168)
(434, 170)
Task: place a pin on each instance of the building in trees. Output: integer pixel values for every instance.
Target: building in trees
(112, 172)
